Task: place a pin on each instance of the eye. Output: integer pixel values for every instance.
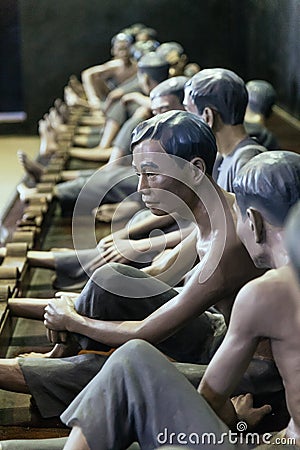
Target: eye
(150, 174)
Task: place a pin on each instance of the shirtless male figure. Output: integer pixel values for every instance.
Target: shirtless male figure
(163, 408)
(173, 155)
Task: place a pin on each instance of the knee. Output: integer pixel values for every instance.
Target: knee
(108, 276)
(134, 349)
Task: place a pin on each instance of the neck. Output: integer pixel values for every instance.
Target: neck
(210, 208)
(228, 137)
(277, 253)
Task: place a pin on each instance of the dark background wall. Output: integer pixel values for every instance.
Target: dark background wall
(256, 38)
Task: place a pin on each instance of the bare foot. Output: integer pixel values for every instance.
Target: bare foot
(48, 144)
(35, 355)
(32, 168)
(25, 192)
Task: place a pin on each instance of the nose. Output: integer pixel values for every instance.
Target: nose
(143, 185)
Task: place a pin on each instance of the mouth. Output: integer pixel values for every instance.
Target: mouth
(151, 204)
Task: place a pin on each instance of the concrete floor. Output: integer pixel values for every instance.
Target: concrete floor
(11, 171)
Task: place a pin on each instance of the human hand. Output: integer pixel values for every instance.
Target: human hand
(243, 405)
(58, 313)
(112, 97)
(119, 250)
(57, 337)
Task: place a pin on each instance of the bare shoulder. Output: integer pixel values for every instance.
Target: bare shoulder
(265, 291)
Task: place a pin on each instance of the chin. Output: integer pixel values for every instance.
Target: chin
(261, 262)
(158, 212)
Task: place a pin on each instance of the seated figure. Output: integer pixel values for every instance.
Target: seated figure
(219, 96)
(164, 408)
(173, 155)
(98, 81)
(262, 97)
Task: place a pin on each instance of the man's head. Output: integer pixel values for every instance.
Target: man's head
(292, 238)
(262, 97)
(168, 95)
(152, 70)
(265, 188)
(171, 153)
(120, 45)
(217, 92)
(146, 34)
(173, 52)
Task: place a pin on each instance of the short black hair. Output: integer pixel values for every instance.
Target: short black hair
(222, 90)
(270, 183)
(166, 47)
(122, 37)
(262, 96)
(155, 67)
(292, 237)
(181, 134)
(171, 86)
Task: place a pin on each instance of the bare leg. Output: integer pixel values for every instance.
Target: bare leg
(29, 308)
(41, 259)
(76, 440)
(11, 377)
(117, 211)
(32, 168)
(58, 351)
(68, 175)
(33, 444)
(87, 140)
(110, 131)
(37, 258)
(94, 154)
(47, 144)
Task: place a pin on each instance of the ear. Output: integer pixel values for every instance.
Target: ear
(257, 224)
(200, 169)
(208, 116)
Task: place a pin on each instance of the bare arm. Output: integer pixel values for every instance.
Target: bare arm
(106, 70)
(137, 97)
(129, 250)
(175, 264)
(144, 226)
(194, 299)
(233, 356)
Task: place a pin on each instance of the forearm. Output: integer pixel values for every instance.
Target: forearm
(112, 334)
(159, 243)
(172, 268)
(89, 88)
(147, 224)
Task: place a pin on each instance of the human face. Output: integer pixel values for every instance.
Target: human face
(121, 49)
(165, 103)
(162, 183)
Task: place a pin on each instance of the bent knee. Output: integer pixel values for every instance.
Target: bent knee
(112, 273)
(136, 347)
